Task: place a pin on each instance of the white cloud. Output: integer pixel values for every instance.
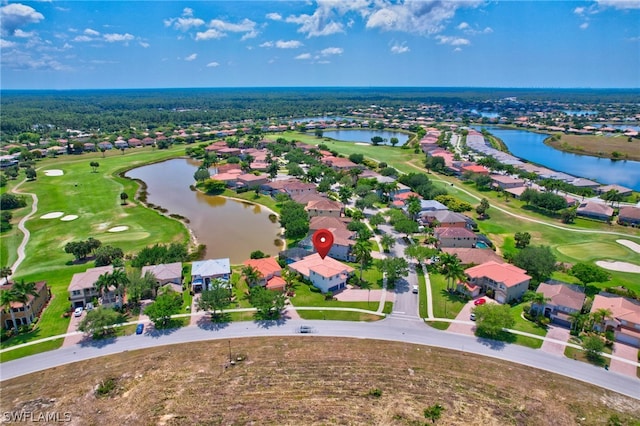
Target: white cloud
(304, 56)
(16, 15)
(620, 4)
(579, 10)
(91, 32)
(209, 34)
(267, 44)
(399, 49)
(24, 34)
(144, 44)
(584, 26)
(245, 26)
(457, 49)
(187, 11)
(184, 22)
(274, 16)
(82, 38)
(291, 44)
(5, 44)
(453, 41)
(191, 57)
(213, 65)
(463, 26)
(112, 38)
(487, 30)
(332, 51)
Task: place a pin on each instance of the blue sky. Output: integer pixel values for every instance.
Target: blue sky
(149, 44)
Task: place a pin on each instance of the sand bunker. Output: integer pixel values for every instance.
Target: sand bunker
(69, 217)
(363, 143)
(619, 266)
(630, 244)
(118, 229)
(53, 172)
(52, 215)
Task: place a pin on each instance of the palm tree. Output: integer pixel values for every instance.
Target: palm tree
(354, 173)
(577, 320)
(455, 271)
(600, 315)
(362, 253)
(7, 297)
(414, 206)
(5, 272)
(251, 275)
(387, 242)
(537, 299)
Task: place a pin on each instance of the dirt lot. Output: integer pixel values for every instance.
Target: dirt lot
(600, 146)
(297, 381)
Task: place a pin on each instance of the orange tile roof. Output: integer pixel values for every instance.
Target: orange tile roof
(276, 283)
(326, 267)
(266, 266)
(621, 308)
(505, 273)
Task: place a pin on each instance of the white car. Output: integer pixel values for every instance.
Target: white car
(414, 289)
(78, 311)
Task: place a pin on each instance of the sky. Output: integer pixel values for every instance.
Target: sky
(364, 43)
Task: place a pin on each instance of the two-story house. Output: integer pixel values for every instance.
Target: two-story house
(270, 273)
(624, 319)
(169, 274)
(563, 300)
(25, 313)
(82, 289)
(325, 274)
(506, 281)
(203, 272)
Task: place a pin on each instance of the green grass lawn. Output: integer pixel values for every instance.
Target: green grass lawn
(338, 316)
(251, 196)
(445, 305)
(304, 296)
(527, 326)
(371, 274)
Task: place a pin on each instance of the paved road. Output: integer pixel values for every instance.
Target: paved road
(388, 329)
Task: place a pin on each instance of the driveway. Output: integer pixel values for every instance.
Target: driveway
(556, 333)
(626, 352)
(467, 327)
(73, 339)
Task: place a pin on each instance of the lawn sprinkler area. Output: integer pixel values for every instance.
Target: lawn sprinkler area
(52, 215)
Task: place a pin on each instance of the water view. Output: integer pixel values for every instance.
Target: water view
(365, 136)
(530, 146)
(229, 228)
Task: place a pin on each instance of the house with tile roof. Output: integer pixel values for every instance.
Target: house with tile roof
(593, 210)
(82, 289)
(328, 274)
(505, 182)
(506, 281)
(455, 237)
(473, 256)
(270, 273)
(629, 216)
(166, 274)
(564, 299)
(203, 272)
(324, 207)
(624, 320)
(25, 313)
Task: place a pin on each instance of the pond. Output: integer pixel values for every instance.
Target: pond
(365, 136)
(530, 146)
(229, 228)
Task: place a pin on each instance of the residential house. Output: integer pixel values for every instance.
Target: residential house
(270, 273)
(82, 289)
(584, 183)
(339, 163)
(343, 239)
(444, 218)
(134, 142)
(324, 207)
(505, 182)
(166, 274)
(629, 216)
(328, 274)
(121, 144)
(624, 320)
(203, 272)
(473, 256)
(622, 190)
(508, 282)
(564, 299)
(595, 211)
(475, 169)
(307, 197)
(294, 254)
(251, 181)
(25, 313)
(455, 237)
(229, 152)
(289, 186)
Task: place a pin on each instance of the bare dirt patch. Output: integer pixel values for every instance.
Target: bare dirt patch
(619, 266)
(630, 244)
(297, 381)
(52, 215)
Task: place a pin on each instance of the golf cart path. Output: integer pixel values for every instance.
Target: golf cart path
(22, 228)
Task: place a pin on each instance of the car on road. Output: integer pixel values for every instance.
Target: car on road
(78, 311)
(414, 289)
(139, 328)
(305, 329)
(472, 317)
(480, 301)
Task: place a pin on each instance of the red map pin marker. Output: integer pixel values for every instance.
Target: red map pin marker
(322, 241)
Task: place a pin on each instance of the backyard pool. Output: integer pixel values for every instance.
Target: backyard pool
(481, 244)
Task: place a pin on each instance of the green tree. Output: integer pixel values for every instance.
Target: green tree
(376, 220)
(5, 272)
(257, 254)
(387, 242)
(215, 299)
(94, 166)
(394, 141)
(362, 252)
(406, 226)
(123, 198)
(10, 201)
(589, 273)
(30, 173)
(344, 194)
(99, 321)
(137, 285)
(377, 140)
(251, 275)
(593, 347)
(166, 304)
(414, 206)
(538, 261)
(522, 239)
(491, 318)
(394, 268)
(433, 412)
(107, 255)
(538, 300)
(294, 220)
(568, 215)
(201, 174)
(269, 304)
(482, 208)
(418, 252)
(8, 297)
(212, 186)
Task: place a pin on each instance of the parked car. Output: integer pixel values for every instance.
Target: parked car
(89, 306)
(472, 317)
(480, 301)
(414, 289)
(305, 329)
(78, 311)
(139, 328)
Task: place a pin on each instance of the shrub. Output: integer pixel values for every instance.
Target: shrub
(375, 392)
(106, 387)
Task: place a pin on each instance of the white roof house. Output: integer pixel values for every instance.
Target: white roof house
(204, 271)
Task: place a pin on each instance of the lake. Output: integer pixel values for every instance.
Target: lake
(530, 146)
(365, 135)
(229, 228)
